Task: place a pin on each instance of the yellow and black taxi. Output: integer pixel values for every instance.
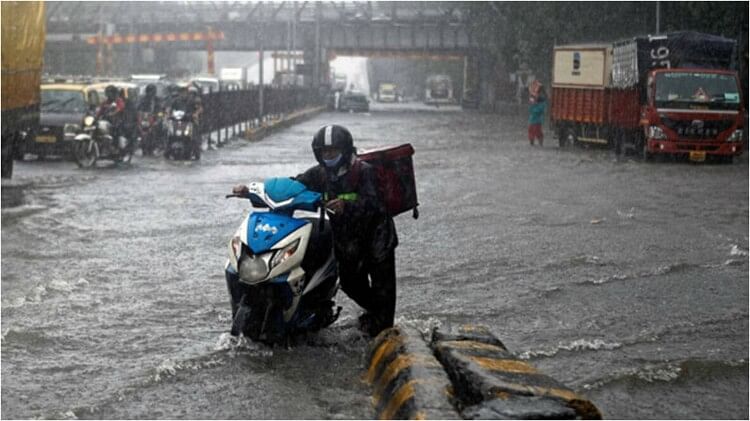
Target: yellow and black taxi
(63, 106)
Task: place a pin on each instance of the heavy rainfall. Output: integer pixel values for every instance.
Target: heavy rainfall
(568, 183)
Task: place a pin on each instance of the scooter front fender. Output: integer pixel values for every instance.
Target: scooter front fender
(82, 137)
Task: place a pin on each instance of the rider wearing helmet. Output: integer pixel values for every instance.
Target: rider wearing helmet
(364, 234)
(113, 108)
(150, 103)
(113, 105)
(191, 105)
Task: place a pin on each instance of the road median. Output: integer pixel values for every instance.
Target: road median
(464, 372)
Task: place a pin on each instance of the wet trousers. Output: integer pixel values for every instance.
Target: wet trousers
(376, 295)
(535, 132)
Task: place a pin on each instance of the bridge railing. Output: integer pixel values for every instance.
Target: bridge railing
(232, 108)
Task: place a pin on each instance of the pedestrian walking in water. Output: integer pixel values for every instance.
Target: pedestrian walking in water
(537, 107)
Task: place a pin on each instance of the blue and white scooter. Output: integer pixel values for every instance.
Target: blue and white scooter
(281, 273)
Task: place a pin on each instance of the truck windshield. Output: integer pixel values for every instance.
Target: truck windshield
(692, 90)
(63, 102)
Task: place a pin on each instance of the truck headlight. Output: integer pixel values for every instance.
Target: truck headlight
(736, 136)
(283, 254)
(655, 132)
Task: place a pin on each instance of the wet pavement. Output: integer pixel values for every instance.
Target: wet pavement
(627, 281)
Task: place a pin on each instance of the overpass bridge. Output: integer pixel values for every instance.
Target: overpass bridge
(83, 36)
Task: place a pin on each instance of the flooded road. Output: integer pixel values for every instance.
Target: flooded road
(626, 281)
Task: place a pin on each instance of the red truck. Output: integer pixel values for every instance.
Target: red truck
(668, 94)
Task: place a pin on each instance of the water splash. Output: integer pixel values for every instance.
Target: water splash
(737, 251)
(577, 345)
(630, 214)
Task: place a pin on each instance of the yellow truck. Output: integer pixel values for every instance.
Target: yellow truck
(23, 34)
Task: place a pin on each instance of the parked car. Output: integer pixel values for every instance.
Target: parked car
(63, 106)
(354, 101)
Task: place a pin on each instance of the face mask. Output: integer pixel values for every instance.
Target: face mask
(330, 163)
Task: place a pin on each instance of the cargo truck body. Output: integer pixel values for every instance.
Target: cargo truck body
(23, 36)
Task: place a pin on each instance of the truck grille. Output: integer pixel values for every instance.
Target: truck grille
(698, 129)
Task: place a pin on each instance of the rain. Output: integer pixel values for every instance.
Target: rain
(570, 176)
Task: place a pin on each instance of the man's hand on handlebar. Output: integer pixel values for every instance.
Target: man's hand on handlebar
(336, 206)
(240, 189)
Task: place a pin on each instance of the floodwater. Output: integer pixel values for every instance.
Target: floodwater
(627, 281)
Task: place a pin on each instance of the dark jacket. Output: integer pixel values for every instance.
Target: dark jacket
(364, 231)
(149, 104)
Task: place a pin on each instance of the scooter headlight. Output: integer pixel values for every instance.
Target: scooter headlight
(253, 269)
(282, 255)
(88, 120)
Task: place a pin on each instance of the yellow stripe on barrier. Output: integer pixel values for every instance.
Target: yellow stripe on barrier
(502, 395)
(510, 366)
(568, 395)
(386, 348)
(400, 363)
(403, 394)
(516, 388)
(473, 328)
(471, 345)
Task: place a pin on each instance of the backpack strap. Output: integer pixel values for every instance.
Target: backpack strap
(356, 172)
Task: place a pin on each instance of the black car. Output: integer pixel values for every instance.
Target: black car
(354, 101)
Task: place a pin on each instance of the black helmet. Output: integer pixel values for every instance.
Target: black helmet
(334, 136)
(150, 89)
(111, 92)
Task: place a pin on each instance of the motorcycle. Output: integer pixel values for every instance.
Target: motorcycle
(180, 139)
(281, 272)
(150, 132)
(96, 141)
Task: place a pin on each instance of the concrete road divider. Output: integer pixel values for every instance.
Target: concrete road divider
(463, 373)
(490, 382)
(408, 381)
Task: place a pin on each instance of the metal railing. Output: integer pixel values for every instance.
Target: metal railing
(233, 109)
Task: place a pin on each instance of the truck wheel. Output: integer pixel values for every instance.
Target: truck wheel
(569, 137)
(19, 150)
(728, 159)
(617, 143)
(7, 154)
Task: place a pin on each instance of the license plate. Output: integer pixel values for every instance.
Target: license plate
(698, 156)
(46, 139)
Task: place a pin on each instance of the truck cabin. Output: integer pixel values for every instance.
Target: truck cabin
(694, 89)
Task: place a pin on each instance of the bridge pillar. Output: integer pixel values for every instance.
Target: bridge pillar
(471, 95)
(487, 82)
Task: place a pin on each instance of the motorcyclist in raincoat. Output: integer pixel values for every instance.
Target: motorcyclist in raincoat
(364, 234)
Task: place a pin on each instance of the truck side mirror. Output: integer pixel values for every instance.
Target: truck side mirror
(650, 88)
